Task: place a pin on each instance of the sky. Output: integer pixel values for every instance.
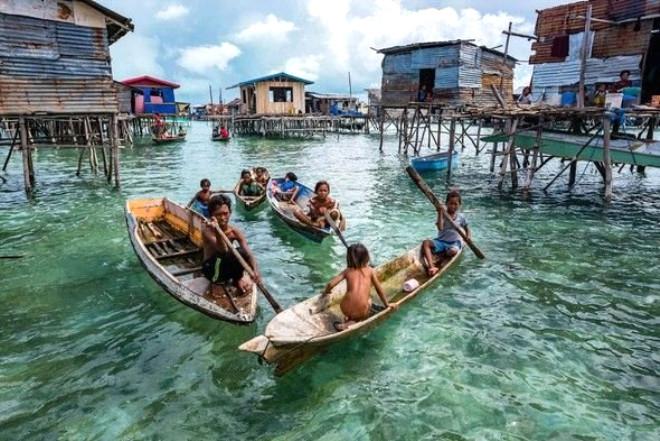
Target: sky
(198, 43)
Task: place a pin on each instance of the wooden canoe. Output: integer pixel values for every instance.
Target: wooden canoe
(250, 202)
(167, 239)
(220, 138)
(296, 334)
(284, 210)
(167, 139)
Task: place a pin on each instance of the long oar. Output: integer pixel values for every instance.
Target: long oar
(250, 271)
(417, 179)
(334, 226)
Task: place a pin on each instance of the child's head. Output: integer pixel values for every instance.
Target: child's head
(357, 256)
(246, 175)
(291, 176)
(260, 171)
(205, 183)
(322, 189)
(453, 201)
(601, 87)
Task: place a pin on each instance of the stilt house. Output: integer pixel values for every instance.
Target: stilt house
(278, 93)
(152, 95)
(453, 72)
(621, 35)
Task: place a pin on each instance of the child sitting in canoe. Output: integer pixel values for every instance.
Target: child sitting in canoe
(288, 189)
(248, 186)
(319, 204)
(356, 304)
(448, 242)
(199, 203)
(262, 176)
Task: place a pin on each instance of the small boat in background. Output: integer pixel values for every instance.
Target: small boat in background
(250, 202)
(285, 209)
(166, 139)
(299, 332)
(437, 161)
(167, 239)
(220, 138)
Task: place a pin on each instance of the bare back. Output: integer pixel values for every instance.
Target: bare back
(356, 303)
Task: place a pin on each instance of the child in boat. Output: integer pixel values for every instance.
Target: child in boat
(318, 206)
(356, 304)
(262, 177)
(287, 190)
(448, 242)
(224, 133)
(248, 186)
(200, 202)
(220, 264)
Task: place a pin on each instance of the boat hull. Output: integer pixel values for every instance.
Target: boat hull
(168, 140)
(249, 203)
(191, 289)
(303, 330)
(439, 161)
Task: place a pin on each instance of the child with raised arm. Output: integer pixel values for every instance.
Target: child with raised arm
(288, 189)
(448, 241)
(356, 304)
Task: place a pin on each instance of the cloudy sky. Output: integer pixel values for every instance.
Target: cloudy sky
(200, 42)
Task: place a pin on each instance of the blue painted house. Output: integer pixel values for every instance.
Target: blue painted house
(152, 95)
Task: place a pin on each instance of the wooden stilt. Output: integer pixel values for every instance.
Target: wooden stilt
(115, 147)
(511, 130)
(607, 163)
(452, 146)
(24, 154)
(11, 149)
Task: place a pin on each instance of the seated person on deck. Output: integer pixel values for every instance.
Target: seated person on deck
(287, 190)
(356, 304)
(199, 202)
(220, 264)
(448, 242)
(248, 186)
(318, 206)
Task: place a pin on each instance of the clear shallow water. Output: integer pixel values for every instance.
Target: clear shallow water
(554, 336)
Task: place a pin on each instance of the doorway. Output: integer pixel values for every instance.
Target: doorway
(427, 80)
(651, 74)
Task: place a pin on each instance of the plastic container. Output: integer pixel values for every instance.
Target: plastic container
(410, 285)
(613, 100)
(568, 99)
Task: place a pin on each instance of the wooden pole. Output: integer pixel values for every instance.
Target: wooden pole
(607, 163)
(11, 149)
(583, 57)
(452, 136)
(511, 130)
(506, 53)
(439, 206)
(381, 119)
(24, 154)
(537, 147)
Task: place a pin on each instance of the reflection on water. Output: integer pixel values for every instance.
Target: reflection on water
(553, 336)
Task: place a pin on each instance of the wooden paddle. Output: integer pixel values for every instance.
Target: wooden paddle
(334, 226)
(250, 271)
(423, 186)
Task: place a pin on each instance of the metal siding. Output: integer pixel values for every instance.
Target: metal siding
(396, 64)
(597, 70)
(430, 58)
(26, 96)
(446, 77)
(27, 37)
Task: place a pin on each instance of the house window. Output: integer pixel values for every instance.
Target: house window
(281, 94)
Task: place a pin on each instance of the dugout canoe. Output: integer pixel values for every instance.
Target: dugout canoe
(297, 333)
(167, 139)
(250, 202)
(167, 239)
(284, 211)
(220, 138)
(436, 161)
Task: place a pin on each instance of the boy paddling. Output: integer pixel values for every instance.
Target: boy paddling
(448, 242)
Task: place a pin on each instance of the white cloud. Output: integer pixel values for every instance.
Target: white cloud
(348, 36)
(201, 59)
(272, 28)
(307, 67)
(135, 55)
(172, 12)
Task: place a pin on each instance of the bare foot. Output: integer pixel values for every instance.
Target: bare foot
(342, 326)
(432, 270)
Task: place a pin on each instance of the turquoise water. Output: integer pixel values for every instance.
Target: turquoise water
(554, 336)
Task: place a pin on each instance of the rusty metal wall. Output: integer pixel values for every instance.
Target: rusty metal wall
(54, 67)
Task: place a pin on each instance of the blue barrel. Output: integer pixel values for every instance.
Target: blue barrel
(568, 99)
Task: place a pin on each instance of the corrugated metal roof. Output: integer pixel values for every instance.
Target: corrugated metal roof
(281, 76)
(432, 44)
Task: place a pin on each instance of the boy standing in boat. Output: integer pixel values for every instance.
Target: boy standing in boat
(448, 242)
(220, 263)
